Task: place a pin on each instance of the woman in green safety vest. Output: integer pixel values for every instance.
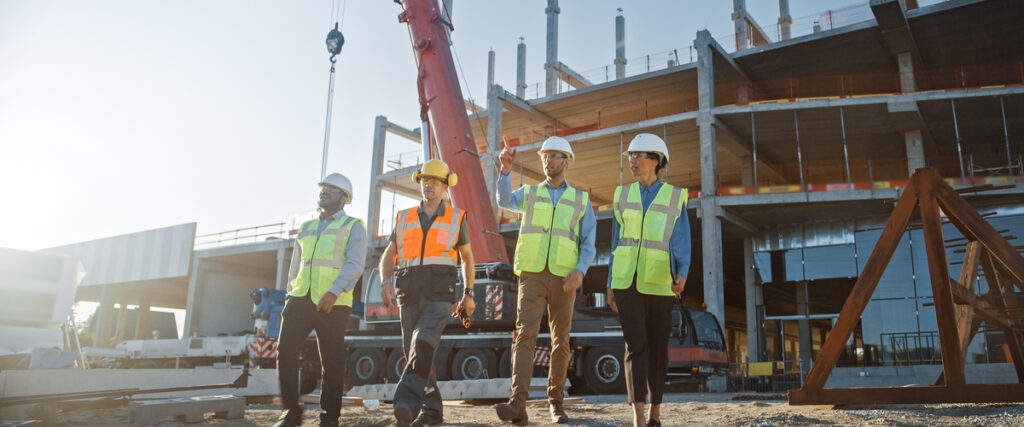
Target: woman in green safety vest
(650, 260)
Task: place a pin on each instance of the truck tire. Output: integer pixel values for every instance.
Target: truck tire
(366, 366)
(505, 364)
(395, 366)
(473, 364)
(604, 370)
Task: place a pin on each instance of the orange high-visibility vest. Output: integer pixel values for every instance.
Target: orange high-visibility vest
(436, 248)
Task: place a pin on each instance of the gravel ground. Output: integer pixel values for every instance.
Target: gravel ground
(710, 409)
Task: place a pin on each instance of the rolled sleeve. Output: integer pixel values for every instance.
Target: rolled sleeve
(588, 231)
(355, 260)
(679, 245)
(508, 199)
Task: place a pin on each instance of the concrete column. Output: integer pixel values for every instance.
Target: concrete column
(915, 150)
(494, 110)
(550, 74)
(283, 264)
(122, 322)
(490, 67)
(711, 225)
(620, 46)
(104, 318)
(192, 299)
(785, 21)
(747, 171)
(142, 331)
(906, 65)
(376, 169)
(804, 325)
(521, 69)
(754, 300)
(739, 13)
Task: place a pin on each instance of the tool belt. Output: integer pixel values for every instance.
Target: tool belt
(430, 283)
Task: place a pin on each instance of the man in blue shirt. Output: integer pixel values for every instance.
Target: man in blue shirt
(555, 248)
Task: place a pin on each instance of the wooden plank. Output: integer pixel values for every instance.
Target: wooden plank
(938, 269)
(835, 344)
(999, 290)
(968, 393)
(966, 324)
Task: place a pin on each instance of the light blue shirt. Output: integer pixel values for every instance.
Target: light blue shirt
(355, 256)
(679, 244)
(513, 200)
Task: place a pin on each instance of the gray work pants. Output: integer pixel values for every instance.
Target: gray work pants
(422, 325)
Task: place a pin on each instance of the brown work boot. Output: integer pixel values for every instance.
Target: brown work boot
(558, 415)
(514, 411)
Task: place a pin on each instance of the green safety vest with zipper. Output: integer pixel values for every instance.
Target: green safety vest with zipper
(549, 234)
(322, 258)
(643, 249)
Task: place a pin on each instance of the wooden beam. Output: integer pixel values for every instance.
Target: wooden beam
(938, 269)
(835, 344)
(997, 284)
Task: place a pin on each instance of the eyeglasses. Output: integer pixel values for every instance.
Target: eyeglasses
(640, 155)
(329, 189)
(554, 156)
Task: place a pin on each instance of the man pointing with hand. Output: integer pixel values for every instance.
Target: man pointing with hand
(555, 248)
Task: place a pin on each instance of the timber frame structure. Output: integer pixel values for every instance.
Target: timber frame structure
(1003, 267)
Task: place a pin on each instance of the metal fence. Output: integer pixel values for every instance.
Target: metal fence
(911, 348)
(767, 377)
(242, 235)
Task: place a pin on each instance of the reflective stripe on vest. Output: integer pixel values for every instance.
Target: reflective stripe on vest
(322, 259)
(643, 249)
(436, 248)
(549, 234)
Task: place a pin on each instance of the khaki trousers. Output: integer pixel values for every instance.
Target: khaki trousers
(537, 292)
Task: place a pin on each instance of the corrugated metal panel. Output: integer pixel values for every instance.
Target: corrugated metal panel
(162, 253)
(815, 234)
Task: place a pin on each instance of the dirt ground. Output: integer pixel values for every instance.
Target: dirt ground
(717, 409)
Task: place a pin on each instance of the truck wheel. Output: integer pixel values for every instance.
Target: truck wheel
(604, 371)
(505, 364)
(473, 364)
(395, 366)
(366, 366)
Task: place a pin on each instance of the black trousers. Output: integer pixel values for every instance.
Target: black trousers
(298, 319)
(646, 324)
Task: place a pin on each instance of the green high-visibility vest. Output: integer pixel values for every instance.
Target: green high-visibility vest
(549, 234)
(322, 258)
(643, 249)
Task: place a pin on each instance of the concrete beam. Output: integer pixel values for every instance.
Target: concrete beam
(521, 105)
(614, 130)
(571, 77)
(474, 108)
(742, 223)
(759, 37)
(892, 24)
(409, 170)
(871, 100)
(717, 48)
(399, 130)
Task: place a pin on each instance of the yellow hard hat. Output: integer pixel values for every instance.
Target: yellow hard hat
(437, 169)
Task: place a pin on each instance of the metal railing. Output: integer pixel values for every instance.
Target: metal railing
(911, 348)
(242, 235)
(767, 377)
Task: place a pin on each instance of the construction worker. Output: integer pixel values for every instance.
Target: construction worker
(426, 245)
(554, 250)
(320, 285)
(650, 260)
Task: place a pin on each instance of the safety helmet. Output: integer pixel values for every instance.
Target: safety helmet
(436, 169)
(646, 142)
(557, 143)
(339, 181)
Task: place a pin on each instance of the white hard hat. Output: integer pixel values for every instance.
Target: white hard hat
(338, 180)
(557, 143)
(646, 142)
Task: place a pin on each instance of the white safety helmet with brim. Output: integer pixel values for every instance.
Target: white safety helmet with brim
(648, 143)
(338, 181)
(557, 144)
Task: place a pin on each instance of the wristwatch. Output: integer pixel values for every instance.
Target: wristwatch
(468, 292)
(385, 283)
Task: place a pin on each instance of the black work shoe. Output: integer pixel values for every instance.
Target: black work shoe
(653, 423)
(290, 418)
(427, 420)
(513, 412)
(403, 415)
(558, 415)
(328, 421)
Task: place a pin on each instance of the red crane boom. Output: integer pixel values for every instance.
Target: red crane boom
(442, 104)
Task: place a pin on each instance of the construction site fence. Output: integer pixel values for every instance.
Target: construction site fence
(258, 233)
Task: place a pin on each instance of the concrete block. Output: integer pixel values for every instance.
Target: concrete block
(44, 413)
(186, 409)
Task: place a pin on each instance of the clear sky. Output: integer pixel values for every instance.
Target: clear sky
(122, 116)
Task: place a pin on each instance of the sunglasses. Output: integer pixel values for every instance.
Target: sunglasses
(640, 155)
